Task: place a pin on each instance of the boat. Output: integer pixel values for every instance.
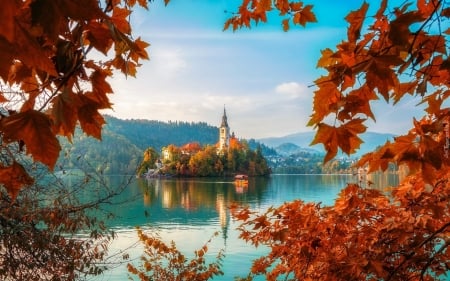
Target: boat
(241, 180)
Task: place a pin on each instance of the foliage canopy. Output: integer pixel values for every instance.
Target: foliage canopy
(50, 83)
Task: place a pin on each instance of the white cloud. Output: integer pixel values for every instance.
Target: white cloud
(291, 90)
(168, 61)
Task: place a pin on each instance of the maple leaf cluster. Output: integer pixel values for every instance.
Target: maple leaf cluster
(49, 82)
(165, 262)
(403, 52)
(365, 235)
(257, 11)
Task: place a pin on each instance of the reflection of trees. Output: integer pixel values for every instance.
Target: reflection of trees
(194, 194)
(149, 189)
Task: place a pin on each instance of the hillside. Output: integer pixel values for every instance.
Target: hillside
(157, 134)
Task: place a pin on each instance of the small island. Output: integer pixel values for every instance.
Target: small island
(228, 157)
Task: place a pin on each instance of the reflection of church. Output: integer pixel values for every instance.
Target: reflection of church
(224, 216)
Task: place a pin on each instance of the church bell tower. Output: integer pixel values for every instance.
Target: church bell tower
(224, 133)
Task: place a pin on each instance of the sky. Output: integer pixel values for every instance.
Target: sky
(262, 76)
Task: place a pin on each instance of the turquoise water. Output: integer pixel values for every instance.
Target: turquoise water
(189, 211)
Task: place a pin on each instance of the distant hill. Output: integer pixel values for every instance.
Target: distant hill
(288, 148)
(303, 140)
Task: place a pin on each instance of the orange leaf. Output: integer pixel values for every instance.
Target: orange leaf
(34, 129)
(99, 37)
(356, 19)
(46, 15)
(400, 33)
(6, 58)
(347, 135)
(90, 120)
(82, 9)
(381, 77)
(30, 52)
(327, 135)
(100, 88)
(119, 18)
(327, 58)
(13, 178)
(356, 102)
(326, 100)
(304, 16)
(143, 3)
(7, 22)
(139, 51)
(64, 113)
(285, 24)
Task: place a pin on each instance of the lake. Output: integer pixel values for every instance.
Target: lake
(190, 211)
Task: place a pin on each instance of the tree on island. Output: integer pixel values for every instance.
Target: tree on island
(191, 160)
(49, 84)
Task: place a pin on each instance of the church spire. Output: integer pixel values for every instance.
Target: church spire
(224, 132)
(224, 118)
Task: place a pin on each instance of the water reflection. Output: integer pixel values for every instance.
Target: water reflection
(189, 211)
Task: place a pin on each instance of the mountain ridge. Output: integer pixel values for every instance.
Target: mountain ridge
(371, 140)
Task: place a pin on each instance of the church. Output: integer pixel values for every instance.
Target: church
(225, 138)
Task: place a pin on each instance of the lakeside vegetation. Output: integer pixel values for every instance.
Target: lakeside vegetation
(192, 160)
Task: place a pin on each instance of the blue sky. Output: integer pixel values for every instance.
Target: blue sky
(261, 75)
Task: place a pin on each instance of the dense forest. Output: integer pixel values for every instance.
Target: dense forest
(157, 134)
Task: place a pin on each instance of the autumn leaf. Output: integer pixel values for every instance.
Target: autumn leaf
(46, 14)
(399, 33)
(119, 18)
(327, 100)
(347, 134)
(34, 129)
(139, 51)
(285, 24)
(304, 16)
(6, 58)
(381, 77)
(99, 36)
(31, 53)
(356, 19)
(64, 113)
(82, 9)
(91, 121)
(100, 88)
(358, 102)
(328, 58)
(14, 178)
(7, 21)
(327, 135)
